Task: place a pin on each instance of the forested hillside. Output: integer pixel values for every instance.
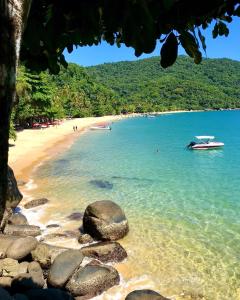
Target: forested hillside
(139, 86)
(144, 86)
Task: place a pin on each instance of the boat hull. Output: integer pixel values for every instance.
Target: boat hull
(207, 146)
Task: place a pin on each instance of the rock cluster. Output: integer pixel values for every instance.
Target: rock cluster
(31, 269)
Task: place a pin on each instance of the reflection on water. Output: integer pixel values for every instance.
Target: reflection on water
(183, 206)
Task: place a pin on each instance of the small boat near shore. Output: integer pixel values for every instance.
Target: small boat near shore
(204, 142)
(103, 126)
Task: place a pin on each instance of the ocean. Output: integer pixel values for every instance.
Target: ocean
(183, 206)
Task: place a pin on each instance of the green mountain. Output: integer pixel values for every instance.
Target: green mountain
(139, 86)
(144, 86)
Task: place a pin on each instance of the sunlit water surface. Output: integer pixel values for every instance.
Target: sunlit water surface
(183, 206)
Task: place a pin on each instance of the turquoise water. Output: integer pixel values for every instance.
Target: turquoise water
(183, 206)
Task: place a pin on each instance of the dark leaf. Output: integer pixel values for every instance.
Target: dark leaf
(202, 39)
(215, 31)
(169, 51)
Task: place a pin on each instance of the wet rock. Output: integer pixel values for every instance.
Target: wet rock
(102, 184)
(45, 254)
(36, 202)
(4, 295)
(48, 294)
(72, 233)
(105, 220)
(144, 295)
(5, 282)
(53, 226)
(85, 239)
(76, 216)
(10, 267)
(20, 248)
(105, 252)
(91, 281)
(13, 194)
(22, 230)
(18, 219)
(63, 267)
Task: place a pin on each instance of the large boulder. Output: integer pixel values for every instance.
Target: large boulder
(22, 230)
(36, 202)
(105, 251)
(13, 194)
(63, 267)
(18, 219)
(21, 247)
(92, 280)
(45, 254)
(144, 295)
(48, 294)
(105, 220)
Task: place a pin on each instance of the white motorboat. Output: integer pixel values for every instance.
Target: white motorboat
(100, 127)
(204, 142)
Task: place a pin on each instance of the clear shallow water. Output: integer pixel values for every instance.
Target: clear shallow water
(183, 206)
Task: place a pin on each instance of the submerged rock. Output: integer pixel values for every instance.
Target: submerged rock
(76, 216)
(53, 226)
(105, 251)
(63, 267)
(36, 202)
(102, 184)
(105, 220)
(22, 230)
(145, 295)
(91, 281)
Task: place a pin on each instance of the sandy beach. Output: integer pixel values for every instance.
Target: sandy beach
(36, 145)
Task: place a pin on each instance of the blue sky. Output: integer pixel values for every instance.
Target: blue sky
(216, 48)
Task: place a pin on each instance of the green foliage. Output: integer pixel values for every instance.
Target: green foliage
(139, 24)
(142, 86)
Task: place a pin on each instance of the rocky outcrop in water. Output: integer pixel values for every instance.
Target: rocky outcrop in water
(105, 220)
(105, 252)
(144, 295)
(92, 280)
(36, 202)
(22, 230)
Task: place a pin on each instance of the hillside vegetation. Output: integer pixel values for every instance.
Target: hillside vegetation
(139, 86)
(144, 86)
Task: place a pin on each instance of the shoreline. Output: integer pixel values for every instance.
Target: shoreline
(54, 140)
(34, 146)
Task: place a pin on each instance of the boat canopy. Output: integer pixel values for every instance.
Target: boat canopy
(205, 137)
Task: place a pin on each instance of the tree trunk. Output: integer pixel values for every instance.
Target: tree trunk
(13, 14)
